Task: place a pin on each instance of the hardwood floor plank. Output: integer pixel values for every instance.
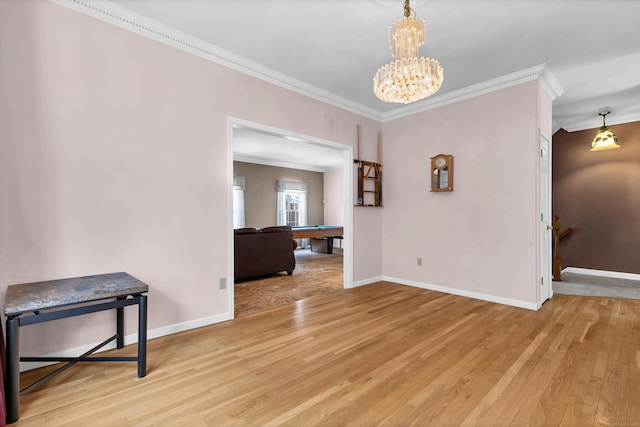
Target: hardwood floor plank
(382, 354)
(314, 274)
(543, 366)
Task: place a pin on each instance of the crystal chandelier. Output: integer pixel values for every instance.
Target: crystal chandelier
(409, 78)
(605, 139)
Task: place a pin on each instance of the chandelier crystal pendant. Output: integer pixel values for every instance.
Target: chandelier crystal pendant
(605, 139)
(409, 78)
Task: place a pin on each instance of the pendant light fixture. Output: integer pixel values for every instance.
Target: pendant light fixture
(409, 78)
(605, 139)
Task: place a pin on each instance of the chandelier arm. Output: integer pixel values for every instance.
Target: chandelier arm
(408, 10)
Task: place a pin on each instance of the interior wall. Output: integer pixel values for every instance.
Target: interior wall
(333, 197)
(596, 193)
(481, 239)
(114, 156)
(260, 192)
(370, 235)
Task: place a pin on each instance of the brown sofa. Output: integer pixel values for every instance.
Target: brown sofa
(259, 252)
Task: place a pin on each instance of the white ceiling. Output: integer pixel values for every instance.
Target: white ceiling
(275, 149)
(336, 46)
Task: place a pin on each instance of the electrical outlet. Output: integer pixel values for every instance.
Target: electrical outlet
(419, 262)
(223, 283)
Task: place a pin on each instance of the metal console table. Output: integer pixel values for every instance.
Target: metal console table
(39, 302)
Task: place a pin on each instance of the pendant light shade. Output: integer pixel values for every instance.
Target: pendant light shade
(605, 139)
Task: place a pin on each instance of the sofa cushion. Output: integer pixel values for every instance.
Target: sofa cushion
(276, 229)
(263, 253)
(246, 230)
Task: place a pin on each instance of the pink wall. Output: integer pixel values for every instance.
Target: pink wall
(367, 226)
(481, 238)
(333, 197)
(114, 157)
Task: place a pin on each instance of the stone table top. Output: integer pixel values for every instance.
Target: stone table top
(54, 293)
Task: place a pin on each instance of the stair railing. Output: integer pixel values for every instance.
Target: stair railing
(557, 235)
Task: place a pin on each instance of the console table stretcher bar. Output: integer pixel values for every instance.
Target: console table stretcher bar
(32, 303)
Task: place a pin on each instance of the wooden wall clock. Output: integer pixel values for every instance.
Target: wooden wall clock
(442, 173)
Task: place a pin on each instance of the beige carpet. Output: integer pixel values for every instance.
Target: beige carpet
(596, 286)
(314, 274)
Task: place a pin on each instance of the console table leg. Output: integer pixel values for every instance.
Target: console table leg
(120, 325)
(12, 378)
(142, 336)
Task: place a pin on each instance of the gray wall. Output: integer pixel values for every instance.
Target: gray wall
(598, 194)
(260, 192)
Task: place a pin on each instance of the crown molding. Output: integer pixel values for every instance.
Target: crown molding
(116, 15)
(549, 82)
(123, 18)
(541, 73)
(584, 124)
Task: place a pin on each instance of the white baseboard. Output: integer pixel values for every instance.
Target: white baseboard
(602, 273)
(367, 281)
(132, 339)
(206, 321)
(184, 326)
(463, 293)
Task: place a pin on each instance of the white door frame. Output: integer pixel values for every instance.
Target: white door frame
(347, 170)
(545, 261)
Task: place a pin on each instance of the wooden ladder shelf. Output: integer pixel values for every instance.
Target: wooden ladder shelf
(369, 171)
(369, 177)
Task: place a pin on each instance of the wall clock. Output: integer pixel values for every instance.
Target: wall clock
(442, 173)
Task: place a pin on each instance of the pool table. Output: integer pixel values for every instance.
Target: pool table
(321, 236)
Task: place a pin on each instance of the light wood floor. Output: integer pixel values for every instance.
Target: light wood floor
(382, 354)
(315, 274)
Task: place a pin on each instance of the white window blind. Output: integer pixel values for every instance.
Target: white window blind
(292, 203)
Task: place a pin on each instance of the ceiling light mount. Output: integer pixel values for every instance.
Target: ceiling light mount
(604, 139)
(409, 78)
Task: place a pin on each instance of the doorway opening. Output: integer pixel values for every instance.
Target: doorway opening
(544, 201)
(252, 143)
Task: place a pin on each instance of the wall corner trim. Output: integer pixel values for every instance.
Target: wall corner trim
(368, 281)
(549, 82)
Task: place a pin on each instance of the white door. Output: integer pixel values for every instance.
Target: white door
(545, 291)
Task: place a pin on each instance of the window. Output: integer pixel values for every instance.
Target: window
(292, 208)
(238, 202)
(292, 203)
